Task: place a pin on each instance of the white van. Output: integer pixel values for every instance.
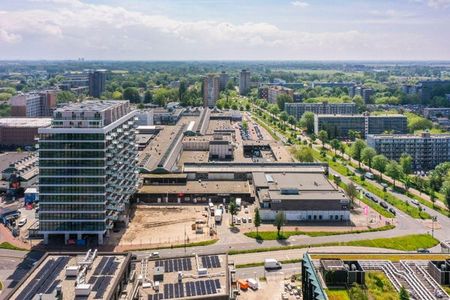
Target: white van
(271, 263)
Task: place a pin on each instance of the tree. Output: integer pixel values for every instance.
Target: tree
(354, 134)
(291, 120)
(307, 121)
(282, 99)
(280, 219)
(65, 96)
(406, 162)
(232, 208)
(336, 145)
(394, 170)
(356, 150)
(380, 162)
(367, 155)
(323, 136)
(132, 94)
(351, 191)
(303, 154)
(284, 116)
(148, 97)
(403, 294)
(257, 219)
(445, 190)
(117, 95)
(182, 91)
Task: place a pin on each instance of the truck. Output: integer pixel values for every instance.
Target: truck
(218, 215)
(253, 283)
(271, 263)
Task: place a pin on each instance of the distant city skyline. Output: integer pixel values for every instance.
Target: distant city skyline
(225, 30)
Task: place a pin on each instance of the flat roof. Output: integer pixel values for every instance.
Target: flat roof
(203, 277)
(301, 181)
(91, 105)
(196, 187)
(251, 167)
(103, 276)
(8, 158)
(25, 122)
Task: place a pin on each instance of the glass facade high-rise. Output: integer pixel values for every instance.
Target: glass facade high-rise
(87, 169)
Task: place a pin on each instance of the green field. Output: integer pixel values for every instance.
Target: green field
(379, 287)
(273, 235)
(337, 294)
(6, 245)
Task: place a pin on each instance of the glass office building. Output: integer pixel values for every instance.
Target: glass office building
(87, 169)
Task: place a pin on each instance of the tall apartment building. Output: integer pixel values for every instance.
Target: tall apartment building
(97, 83)
(367, 95)
(427, 150)
(223, 80)
(339, 126)
(33, 105)
(434, 113)
(275, 91)
(87, 169)
(298, 109)
(244, 82)
(210, 90)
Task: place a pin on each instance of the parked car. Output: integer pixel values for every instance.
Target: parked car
(22, 222)
(270, 263)
(415, 202)
(422, 250)
(383, 205)
(391, 210)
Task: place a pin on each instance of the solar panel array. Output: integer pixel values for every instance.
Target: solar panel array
(102, 275)
(188, 289)
(175, 265)
(44, 281)
(211, 261)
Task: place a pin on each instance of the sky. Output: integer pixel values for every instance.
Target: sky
(225, 29)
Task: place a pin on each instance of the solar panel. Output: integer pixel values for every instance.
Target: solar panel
(180, 265)
(170, 291)
(217, 281)
(202, 287)
(213, 286)
(166, 291)
(100, 265)
(189, 264)
(149, 297)
(188, 289)
(197, 288)
(181, 289)
(184, 261)
(103, 287)
(176, 291)
(170, 266)
(166, 266)
(175, 265)
(208, 287)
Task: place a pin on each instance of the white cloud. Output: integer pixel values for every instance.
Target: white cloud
(438, 3)
(72, 28)
(300, 3)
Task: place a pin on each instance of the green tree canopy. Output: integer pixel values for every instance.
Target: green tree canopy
(307, 121)
(406, 162)
(282, 99)
(394, 170)
(132, 94)
(367, 155)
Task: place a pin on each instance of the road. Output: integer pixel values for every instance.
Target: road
(258, 272)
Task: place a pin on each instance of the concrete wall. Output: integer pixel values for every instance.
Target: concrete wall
(299, 215)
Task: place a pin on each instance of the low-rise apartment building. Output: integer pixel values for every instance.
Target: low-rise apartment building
(427, 150)
(275, 91)
(340, 126)
(298, 109)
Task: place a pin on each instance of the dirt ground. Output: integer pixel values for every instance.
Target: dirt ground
(163, 225)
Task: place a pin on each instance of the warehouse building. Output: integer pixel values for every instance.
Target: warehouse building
(20, 132)
(300, 196)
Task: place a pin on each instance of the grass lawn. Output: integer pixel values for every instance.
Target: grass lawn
(403, 243)
(337, 294)
(6, 245)
(384, 256)
(273, 235)
(406, 243)
(379, 287)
